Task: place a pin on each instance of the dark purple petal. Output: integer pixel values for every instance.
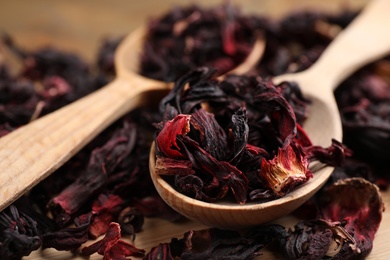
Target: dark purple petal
(211, 135)
(224, 172)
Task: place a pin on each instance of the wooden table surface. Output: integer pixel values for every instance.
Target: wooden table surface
(79, 26)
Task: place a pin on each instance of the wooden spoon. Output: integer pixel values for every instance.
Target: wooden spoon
(365, 40)
(32, 152)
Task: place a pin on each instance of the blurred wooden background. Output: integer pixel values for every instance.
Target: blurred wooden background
(80, 25)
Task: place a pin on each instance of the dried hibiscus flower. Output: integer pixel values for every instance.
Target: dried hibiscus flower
(345, 227)
(249, 145)
(19, 234)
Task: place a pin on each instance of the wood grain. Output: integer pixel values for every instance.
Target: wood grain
(79, 26)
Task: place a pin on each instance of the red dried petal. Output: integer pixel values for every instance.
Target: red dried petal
(255, 150)
(93, 248)
(112, 236)
(105, 209)
(102, 163)
(288, 169)
(166, 139)
(111, 247)
(279, 111)
(359, 204)
(333, 155)
(302, 138)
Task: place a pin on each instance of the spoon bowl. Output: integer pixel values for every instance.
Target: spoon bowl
(32, 152)
(363, 41)
(230, 215)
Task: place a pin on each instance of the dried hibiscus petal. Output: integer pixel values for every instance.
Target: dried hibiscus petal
(195, 187)
(194, 89)
(166, 140)
(211, 135)
(279, 111)
(111, 247)
(333, 155)
(69, 238)
(131, 221)
(350, 211)
(360, 213)
(288, 169)
(105, 209)
(314, 239)
(18, 234)
(239, 135)
(102, 163)
(227, 174)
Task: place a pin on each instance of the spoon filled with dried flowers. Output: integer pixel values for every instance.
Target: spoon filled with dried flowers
(32, 152)
(208, 171)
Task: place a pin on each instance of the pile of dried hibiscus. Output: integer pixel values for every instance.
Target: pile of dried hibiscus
(106, 189)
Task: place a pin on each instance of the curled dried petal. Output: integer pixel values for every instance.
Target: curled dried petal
(357, 203)
(105, 209)
(288, 169)
(224, 172)
(111, 247)
(211, 135)
(166, 139)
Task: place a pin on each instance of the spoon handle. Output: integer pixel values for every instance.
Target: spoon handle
(366, 39)
(32, 152)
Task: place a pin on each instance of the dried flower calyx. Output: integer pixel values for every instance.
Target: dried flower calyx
(112, 247)
(250, 144)
(346, 225)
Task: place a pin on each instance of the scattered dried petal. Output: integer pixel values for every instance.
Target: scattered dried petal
(111, 247)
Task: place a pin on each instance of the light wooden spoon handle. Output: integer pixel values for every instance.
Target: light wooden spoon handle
(32, 152)
(366, 39)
